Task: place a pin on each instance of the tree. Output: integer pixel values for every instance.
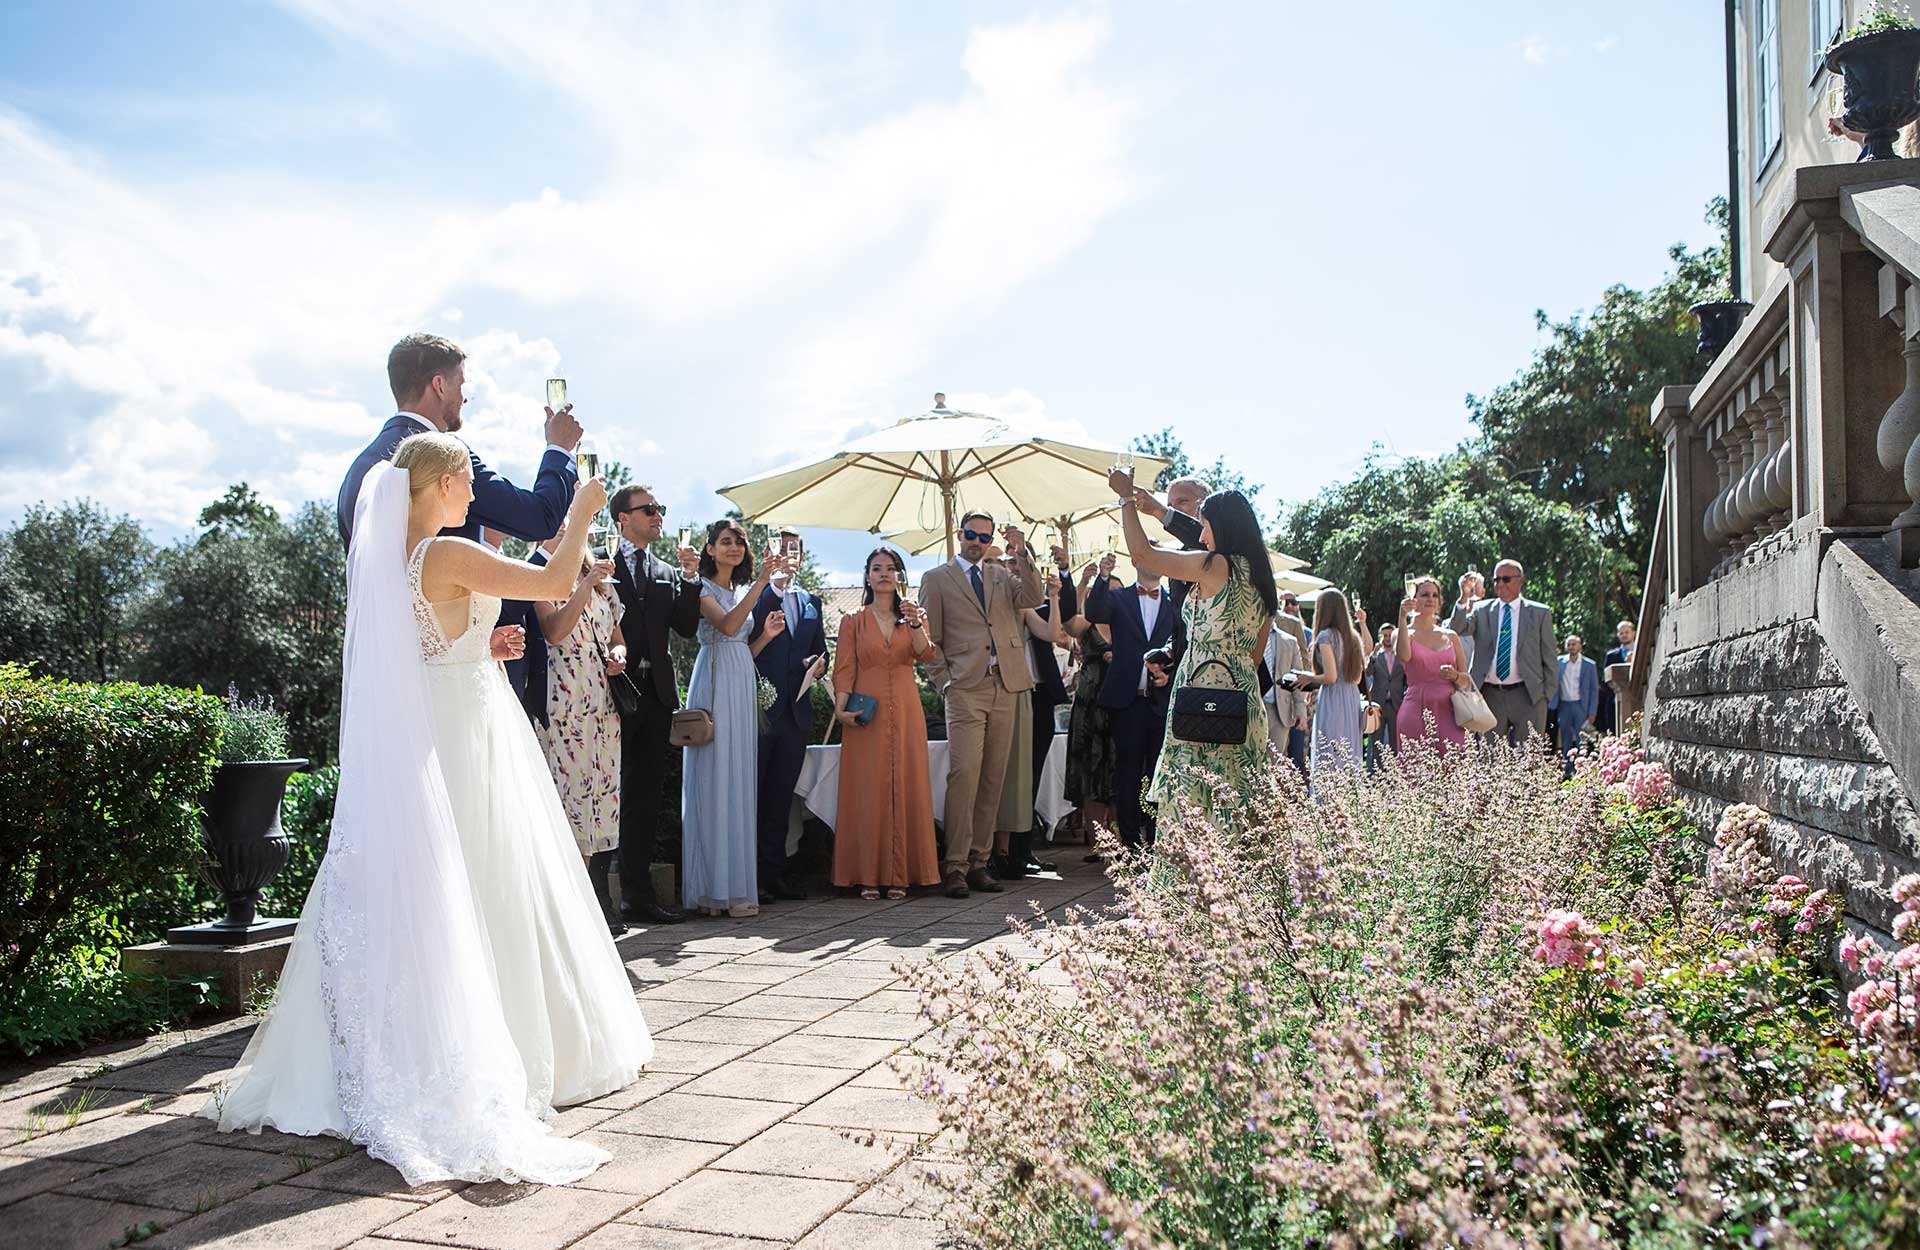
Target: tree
(240, 509)
(70, 580)
(1167, 446)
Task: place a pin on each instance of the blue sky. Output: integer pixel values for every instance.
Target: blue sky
(1290, 231)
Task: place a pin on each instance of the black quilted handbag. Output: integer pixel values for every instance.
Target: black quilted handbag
(1208, 713)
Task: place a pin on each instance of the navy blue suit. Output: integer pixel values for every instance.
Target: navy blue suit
(1139, 721)
(528, 674)
(533, 514)
(783, 747)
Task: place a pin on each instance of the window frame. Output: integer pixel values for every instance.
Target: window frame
(1820, 33)
(1769, 116)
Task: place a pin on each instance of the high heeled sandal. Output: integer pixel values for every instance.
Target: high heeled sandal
(870, 894)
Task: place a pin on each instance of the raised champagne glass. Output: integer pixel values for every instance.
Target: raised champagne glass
(556, 393)
(586, 457)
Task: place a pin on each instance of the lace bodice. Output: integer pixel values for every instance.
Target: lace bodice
(726, 597)
(473, 645)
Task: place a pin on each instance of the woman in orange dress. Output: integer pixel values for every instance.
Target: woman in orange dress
(883, 830)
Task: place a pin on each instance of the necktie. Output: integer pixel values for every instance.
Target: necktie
(979, 587)
(1503, 648)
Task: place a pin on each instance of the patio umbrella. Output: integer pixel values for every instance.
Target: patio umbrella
(922, 472)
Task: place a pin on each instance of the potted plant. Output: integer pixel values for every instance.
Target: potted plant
(1879, 59)
(240, 820)
(1719, 321)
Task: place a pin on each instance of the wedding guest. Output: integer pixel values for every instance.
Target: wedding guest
(580, 732)
(1340, 646)
(1226, 616)
(1576, 698)
(1288, 621)
(883, 830)
(1141, 620)
(973, 620)
(794, 658)
(1608, 715)
(1473, 588)
(1285, 700)
(1386, 685)
(1512, 660)
(654, 598)
(1089, 780)
(527, 671)
(1435, 661)
(1180, 517)
(1049, 693)
(719, 808)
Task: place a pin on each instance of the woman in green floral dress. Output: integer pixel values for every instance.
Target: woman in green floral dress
(1228, 610)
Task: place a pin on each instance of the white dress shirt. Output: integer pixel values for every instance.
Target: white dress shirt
(1512, 610)
(1570, 681)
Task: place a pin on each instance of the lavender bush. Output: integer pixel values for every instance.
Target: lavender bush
(1460, 1003)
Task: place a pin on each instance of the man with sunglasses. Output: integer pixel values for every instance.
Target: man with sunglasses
(1514, 656)
(974, 618)
(654, 597)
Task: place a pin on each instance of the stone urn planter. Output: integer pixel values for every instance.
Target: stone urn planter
(1719, 321)
(240, 827)
(1879, 69)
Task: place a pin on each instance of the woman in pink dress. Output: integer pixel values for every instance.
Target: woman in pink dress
(1436, 666)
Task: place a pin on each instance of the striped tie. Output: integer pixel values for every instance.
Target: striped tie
(1503, 649)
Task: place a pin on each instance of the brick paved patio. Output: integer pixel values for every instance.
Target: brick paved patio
(769, 1117)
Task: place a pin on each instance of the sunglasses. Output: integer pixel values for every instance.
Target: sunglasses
(975, 536)
(1504, 578)
(649, 509)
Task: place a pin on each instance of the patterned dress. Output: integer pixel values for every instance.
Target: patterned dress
(581, 738)
(1089, 776)
(1224, 627)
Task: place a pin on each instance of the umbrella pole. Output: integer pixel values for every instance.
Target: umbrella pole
(946, 499)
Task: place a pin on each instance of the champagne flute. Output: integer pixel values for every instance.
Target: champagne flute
(556, 393)
(586, 457)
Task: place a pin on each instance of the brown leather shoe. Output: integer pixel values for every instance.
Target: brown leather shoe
(985, 882)
(954, 883)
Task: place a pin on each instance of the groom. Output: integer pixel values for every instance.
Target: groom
(426, 373)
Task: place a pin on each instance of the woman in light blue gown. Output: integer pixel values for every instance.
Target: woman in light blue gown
(719, 821)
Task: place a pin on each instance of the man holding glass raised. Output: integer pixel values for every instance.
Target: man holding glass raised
(974, 619)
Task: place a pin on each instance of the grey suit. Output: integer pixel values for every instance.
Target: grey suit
(1535, 660)
(1386, 680)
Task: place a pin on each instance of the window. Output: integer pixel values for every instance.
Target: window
(1824, 20)
(1766, 82)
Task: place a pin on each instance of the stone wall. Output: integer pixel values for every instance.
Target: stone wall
(1753, 704)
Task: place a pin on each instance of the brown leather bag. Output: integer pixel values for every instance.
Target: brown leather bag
(693, 726)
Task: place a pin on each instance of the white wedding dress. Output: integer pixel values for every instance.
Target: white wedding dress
(396, 1023)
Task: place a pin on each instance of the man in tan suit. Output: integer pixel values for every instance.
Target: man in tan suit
(973, 617)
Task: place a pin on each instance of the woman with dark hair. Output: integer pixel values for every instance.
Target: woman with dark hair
(1338, 655)
(1088, 784)
(883, 828)
(1227, 614)
(719, 813)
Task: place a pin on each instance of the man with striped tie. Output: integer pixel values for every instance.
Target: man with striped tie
(1513, 654)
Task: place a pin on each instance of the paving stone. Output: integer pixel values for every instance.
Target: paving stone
(65, 1222)
(646, 1086)
(749, 974)
(737, 1030)
(879, 1024)
(643, 1166)
(192, 1177)
(790, 1149)
(774, 1006)
(745, 1204)
(907, 1190)
(661, 968)
(695, 990)
(903, 1002)
(22, 1177)
(848, 1230)
(361, 1173)
(775, 1082)
(872, 1109)
(637, 1237)
(117, 1138)
(574, 1120)
(662, 1014)
(702, 1117)
(728, 944)
(827, 1052)
(510, 1217)
(281, 1217)
(23, 1082)
(881, 1076)
(820, 985)
(56, 1110)
(175, 1074)
(319, 1147)
(692, 1058)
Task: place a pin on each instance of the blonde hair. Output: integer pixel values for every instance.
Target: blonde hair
(429, 457)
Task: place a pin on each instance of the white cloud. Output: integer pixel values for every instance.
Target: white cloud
(1606, 44)
(1538, 50)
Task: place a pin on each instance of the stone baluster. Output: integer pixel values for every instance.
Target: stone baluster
(1777, 487)
(1741, 512)
(1898, 437)
(1715, 524)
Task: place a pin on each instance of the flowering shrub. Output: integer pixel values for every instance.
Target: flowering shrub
(1456, 1003)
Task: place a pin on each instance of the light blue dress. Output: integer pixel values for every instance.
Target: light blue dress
(719, 845)
(1336, 714)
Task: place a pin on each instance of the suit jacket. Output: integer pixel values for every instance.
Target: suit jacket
(1386, 684)
(1046, 665)
(1534, 651)
(528, 674)
(1120, 612)
(657, 600)
(1283, 655)
(1589, 689)
(968, 637)
(1617, 655)
(783, 661)
(498, 504)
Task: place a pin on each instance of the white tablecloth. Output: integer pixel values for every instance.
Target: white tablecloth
(818, 790)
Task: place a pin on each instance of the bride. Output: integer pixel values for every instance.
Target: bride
(451, 980)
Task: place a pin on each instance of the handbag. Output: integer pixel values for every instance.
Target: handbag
(1471, 713)
(1209, 714)
(693, 726)
(625, 695)
(1370, 719)
(863, 706)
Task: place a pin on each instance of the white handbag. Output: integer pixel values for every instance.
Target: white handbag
(1471, 713)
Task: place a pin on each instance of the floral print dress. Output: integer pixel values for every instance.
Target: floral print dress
(581, 738)
(1225, 627)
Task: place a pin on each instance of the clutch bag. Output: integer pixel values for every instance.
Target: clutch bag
(1207, 713)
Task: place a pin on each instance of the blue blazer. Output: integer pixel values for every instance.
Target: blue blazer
(528, 674)
(1589, 688)
(783, 661)
(498, 504)
(1120, 612)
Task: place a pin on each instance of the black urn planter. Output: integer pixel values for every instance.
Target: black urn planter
(1719, 322)
(240, 826)
(1880, 98)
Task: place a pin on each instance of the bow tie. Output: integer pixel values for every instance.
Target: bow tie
(1147, 594)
